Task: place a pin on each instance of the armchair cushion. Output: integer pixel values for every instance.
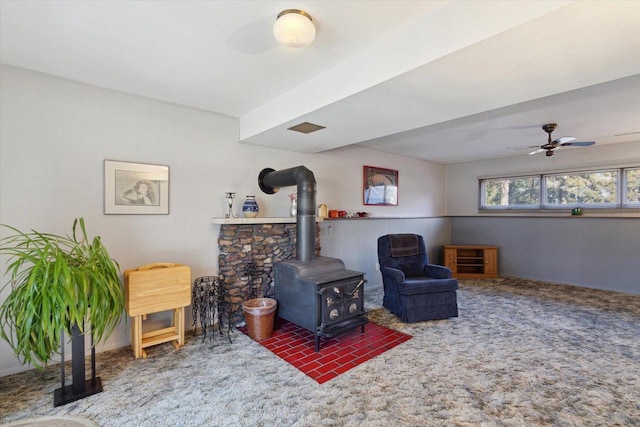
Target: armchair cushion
(411, 267)
(419, 285)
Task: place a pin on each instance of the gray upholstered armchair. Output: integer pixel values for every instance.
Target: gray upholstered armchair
(414, 290)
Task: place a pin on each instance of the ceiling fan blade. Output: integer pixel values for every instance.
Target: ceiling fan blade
(539, 150)
(564, 139)
(523, 147)
(578, 144)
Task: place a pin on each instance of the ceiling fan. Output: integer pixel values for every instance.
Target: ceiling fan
(563, 141)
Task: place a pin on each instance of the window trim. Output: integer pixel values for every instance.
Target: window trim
(623, 189)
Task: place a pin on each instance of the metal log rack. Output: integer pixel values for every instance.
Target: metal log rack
(211, 301)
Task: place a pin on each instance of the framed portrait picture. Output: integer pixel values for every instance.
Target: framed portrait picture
(380, 186)
(135, 188)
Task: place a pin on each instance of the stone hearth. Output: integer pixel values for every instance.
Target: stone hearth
(262, 245)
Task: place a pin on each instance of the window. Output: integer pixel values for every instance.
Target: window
(603, 189)
(518, 193)
(632, 187)
(598, 189)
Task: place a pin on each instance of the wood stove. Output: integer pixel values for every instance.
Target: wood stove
(321, 296)
(317, 293)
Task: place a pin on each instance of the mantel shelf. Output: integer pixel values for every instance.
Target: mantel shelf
(258, 220)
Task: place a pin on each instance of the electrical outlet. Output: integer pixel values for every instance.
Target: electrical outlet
(377, 267)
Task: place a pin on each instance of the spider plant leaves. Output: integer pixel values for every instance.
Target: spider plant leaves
(56, 282)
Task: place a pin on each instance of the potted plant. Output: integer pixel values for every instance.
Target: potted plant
(58, 282)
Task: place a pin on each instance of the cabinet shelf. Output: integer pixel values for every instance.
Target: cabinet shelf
(471, 261)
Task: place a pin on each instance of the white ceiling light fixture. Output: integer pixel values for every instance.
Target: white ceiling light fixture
(294, 28)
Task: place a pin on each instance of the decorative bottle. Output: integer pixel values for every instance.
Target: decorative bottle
(293, 211)
(250, 207)
(323, 211)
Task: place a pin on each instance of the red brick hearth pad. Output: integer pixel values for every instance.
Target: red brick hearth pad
(295, 345)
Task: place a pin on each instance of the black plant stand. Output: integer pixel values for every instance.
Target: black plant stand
(80, 388)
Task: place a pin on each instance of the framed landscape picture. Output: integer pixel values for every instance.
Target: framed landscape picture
(380, 186)
(135, 188)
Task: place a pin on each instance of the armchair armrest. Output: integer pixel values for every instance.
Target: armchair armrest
(395, 274)
(437, 271)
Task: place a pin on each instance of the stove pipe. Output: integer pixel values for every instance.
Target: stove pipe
(270, 182)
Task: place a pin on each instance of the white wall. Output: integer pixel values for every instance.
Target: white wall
(55, 135)
(587, 251)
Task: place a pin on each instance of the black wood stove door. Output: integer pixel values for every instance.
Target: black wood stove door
(341, 301)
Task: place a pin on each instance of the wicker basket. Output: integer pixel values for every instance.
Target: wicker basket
(260, 316)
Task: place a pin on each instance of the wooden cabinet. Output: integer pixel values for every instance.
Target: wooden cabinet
(471, 261)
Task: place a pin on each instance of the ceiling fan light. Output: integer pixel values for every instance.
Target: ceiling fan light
(294, 28)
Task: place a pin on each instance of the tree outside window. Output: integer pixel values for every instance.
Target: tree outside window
(582, 189)
(632, 187)
(519, 192)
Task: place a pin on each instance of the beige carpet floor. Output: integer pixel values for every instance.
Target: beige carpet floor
(522, 353)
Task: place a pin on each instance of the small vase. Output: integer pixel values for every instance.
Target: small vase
(293, 211)
(250, 207)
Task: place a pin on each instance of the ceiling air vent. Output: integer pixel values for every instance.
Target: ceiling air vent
(306, 127)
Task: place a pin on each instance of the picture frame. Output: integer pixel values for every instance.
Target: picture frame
(135, 188)
(379, 186)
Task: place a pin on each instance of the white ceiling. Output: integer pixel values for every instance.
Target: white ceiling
(446, 81)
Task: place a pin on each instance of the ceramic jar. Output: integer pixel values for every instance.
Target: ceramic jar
(250, 207)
